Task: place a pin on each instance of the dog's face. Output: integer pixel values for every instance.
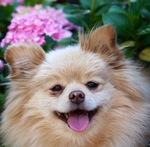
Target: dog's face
(72, 86)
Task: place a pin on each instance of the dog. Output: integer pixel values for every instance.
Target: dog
(84, 95)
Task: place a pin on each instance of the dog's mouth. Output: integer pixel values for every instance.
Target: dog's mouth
(77, 120)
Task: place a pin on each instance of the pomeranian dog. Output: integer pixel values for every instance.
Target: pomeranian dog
(85, 95)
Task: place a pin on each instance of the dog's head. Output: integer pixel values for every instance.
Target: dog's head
(74, 86)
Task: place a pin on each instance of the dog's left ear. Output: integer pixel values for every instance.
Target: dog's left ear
(24, 59)
(101, 41)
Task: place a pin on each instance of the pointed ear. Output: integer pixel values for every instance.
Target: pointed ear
(23, 59)
(101, 41)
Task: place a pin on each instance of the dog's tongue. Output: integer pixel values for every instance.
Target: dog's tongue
(78, 121)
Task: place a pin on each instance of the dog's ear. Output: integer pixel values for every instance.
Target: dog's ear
(23, 59)
(102, 41)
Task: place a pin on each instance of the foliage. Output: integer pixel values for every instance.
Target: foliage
(131, 19)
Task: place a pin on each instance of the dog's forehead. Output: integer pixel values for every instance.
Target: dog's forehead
(72, 63)
(73, 55)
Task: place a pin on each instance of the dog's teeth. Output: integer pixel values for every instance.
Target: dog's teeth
(58, 113)
(66, 115)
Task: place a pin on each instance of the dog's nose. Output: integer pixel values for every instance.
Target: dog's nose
(77, 97)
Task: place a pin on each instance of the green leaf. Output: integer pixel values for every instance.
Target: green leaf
(116, 9)
(33, 2)
(66, 42)
(135, 7)
(86, 4)
(76, 19)
(144, 30)
(73, 9)
(120, 22)
(97, 3)
(145, 54)
(103, 2)
(145, 13)
(5, 12)
(77, 15)
(126, 44)
(2, 99)
(130, 52)
(50, 44)
(103, 10)
(144, 41)
(134, 20)
(2, 50)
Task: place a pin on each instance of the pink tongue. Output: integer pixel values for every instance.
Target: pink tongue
(78, 122)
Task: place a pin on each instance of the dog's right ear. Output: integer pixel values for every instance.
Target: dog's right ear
(23, 59)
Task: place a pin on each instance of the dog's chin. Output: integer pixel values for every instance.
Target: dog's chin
(77, 120)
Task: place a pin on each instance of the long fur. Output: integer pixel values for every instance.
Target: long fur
(123, 117)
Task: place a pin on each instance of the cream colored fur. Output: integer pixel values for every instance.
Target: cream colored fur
(122, 98)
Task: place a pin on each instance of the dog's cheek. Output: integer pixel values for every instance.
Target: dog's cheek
(101, 99)
(40, 103)
(62, 103)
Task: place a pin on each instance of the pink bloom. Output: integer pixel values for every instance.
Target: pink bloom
(33, 23)
(1, 64)
(20, 1)
(9, 2)
(6, 2)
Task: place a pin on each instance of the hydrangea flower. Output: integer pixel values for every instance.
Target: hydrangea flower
(9, 2)
(1, 64)
(33, 23)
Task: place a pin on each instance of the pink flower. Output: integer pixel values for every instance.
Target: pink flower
(33, 23)
(6, 2)
(9, 2)
(1, 64)
(20, 1)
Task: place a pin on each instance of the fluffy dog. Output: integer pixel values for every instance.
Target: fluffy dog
(85, 95)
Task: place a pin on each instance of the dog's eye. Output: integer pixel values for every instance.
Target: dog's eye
(57, 88)
(92, 85)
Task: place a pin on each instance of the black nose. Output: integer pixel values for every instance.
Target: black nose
(77, 97)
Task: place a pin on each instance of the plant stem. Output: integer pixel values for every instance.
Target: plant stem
(92, 13)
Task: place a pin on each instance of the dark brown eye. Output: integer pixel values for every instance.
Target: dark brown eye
(57, 88)
(92, 85)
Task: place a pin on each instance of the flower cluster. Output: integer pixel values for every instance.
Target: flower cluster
(33, 23)
(9, 2)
